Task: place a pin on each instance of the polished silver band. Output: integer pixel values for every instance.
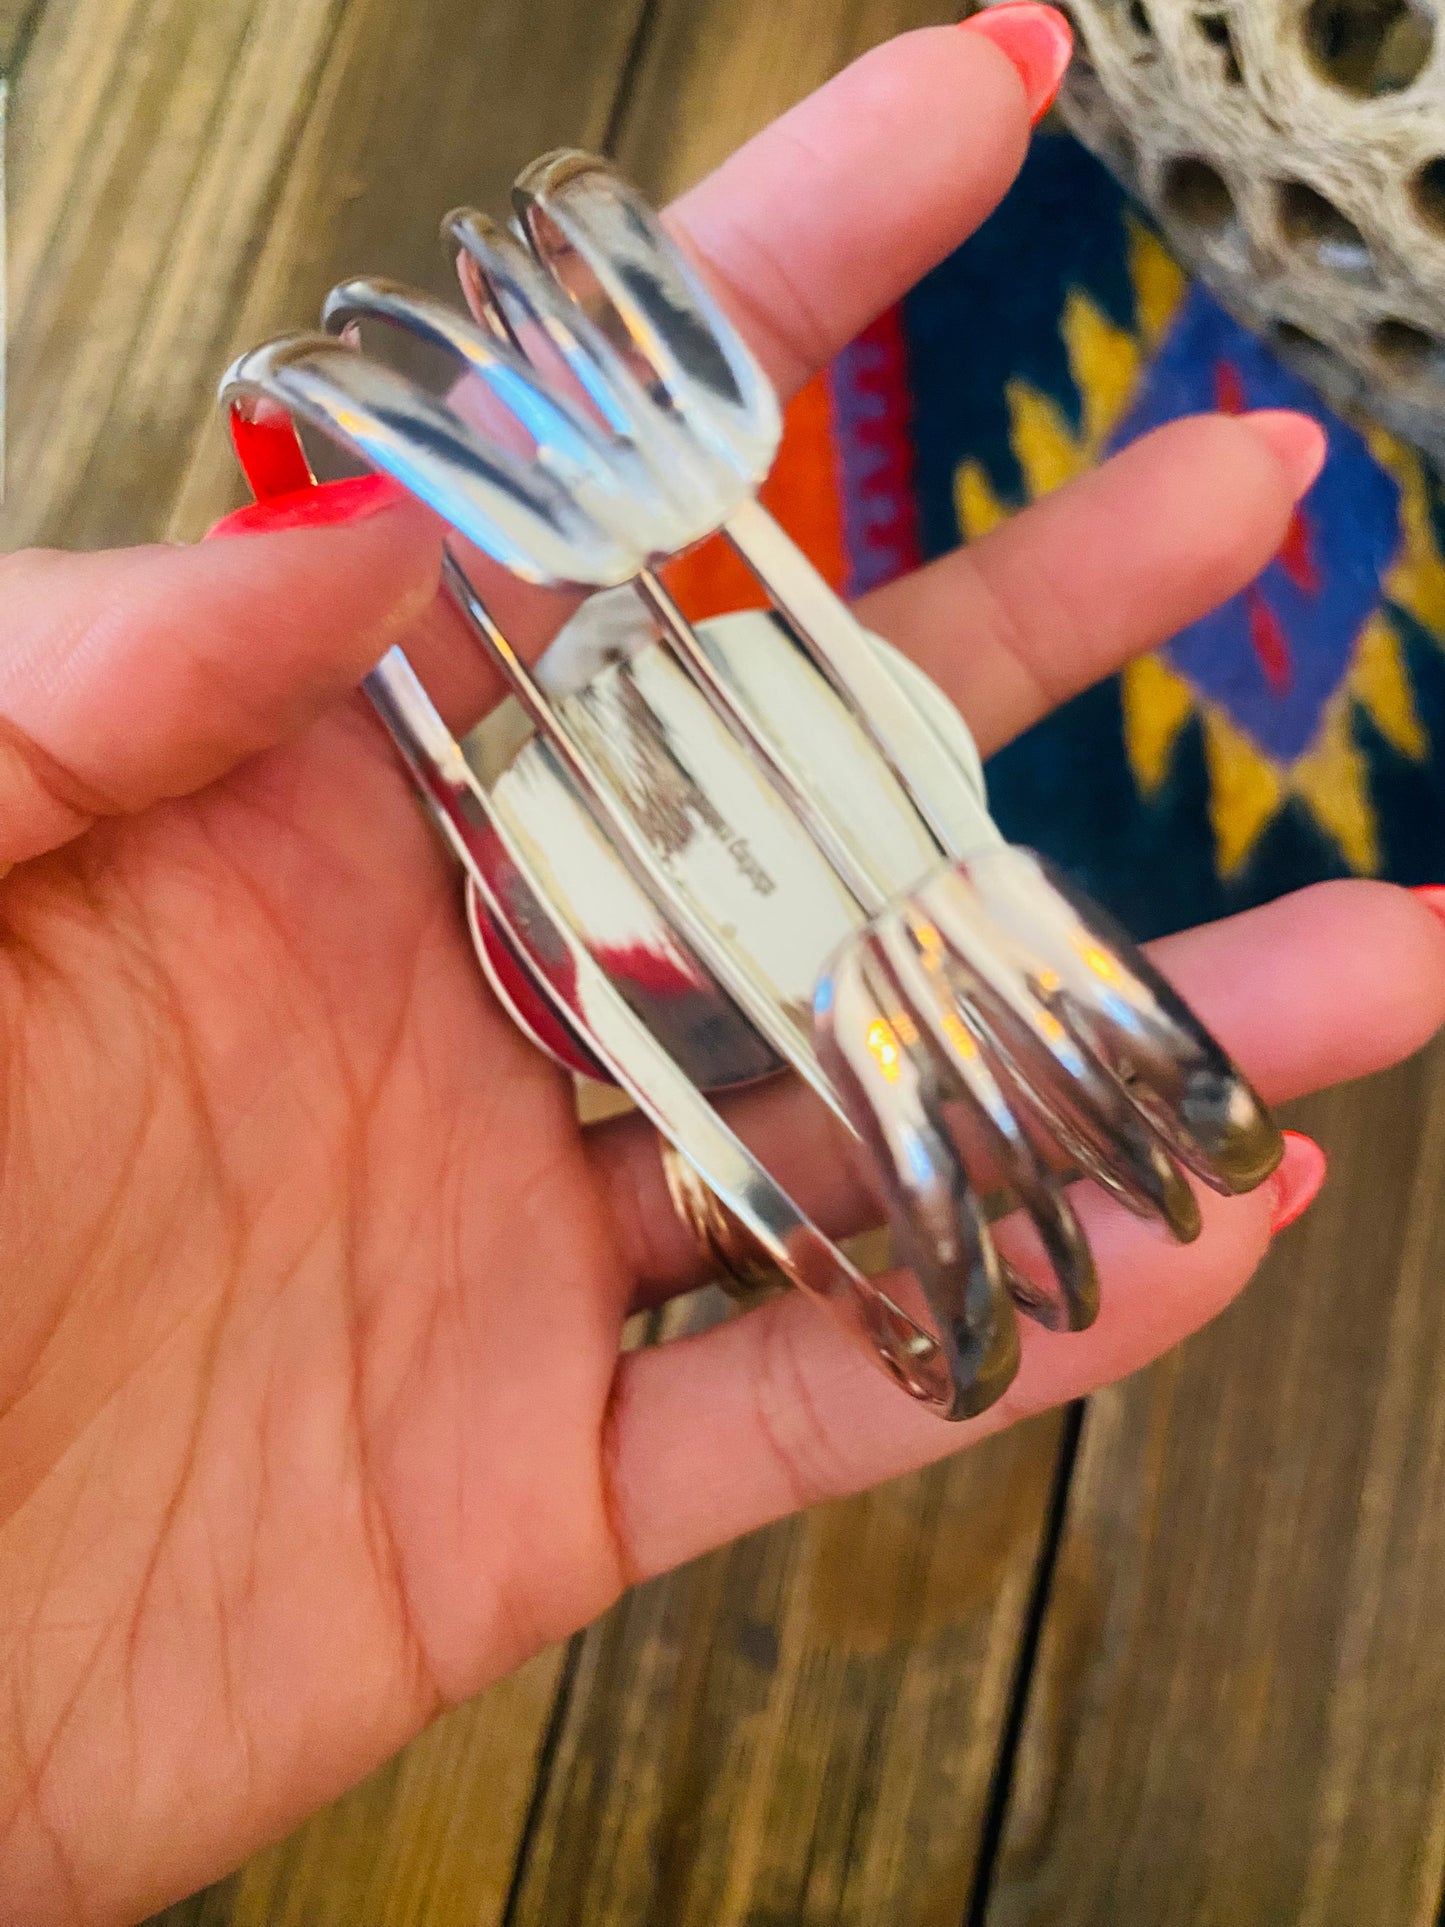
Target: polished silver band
(962, 1013)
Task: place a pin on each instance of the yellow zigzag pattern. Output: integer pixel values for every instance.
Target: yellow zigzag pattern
(1247, 788)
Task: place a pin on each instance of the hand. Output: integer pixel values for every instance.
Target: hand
(312, 1419)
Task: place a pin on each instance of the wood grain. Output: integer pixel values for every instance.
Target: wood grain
(715, 71)
(1239, 1711)
(18, 21)
(187, 180)
(801, 1729)
(121, 117)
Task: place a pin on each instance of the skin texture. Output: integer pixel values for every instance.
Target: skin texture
(311, 1415)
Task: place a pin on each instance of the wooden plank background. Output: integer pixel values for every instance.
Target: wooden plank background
(1176, 1662)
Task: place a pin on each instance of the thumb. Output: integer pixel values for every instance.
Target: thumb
(139, 675)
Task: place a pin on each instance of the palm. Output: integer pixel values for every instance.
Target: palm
(367, 1359)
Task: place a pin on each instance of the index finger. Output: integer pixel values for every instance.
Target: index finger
(830, 215)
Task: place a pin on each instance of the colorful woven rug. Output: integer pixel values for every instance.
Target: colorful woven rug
(1296, 734)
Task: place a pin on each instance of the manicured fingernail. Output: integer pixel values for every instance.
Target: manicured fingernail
(1297, 442)
(1296, 1184)
(324, 506)
(1432, 895)
(1038, 40)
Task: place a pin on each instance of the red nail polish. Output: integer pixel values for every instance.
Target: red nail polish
(1297, 1182)
(1037, 39)
(319, 506)
(270, 453)
(1432, 895)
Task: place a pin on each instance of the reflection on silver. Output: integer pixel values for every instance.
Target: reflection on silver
(524, 513)
(726, 853)
(520, 901)
(701, 854)
(995, 989)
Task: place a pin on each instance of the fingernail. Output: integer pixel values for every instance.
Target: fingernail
(1432, 895)
(1038, 40)
(324, 506)
(1296, 1184)
(1297, 442)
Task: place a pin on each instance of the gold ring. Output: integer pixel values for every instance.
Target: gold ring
(741, 1262)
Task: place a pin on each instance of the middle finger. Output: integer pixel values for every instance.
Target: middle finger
(1112, 565)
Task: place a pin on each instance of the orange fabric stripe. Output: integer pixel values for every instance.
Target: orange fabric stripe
(802, 492)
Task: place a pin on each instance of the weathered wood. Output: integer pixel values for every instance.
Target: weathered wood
(1238, 1714)
(715, 71)
(123, 116)
(801, 1729)
(19, 20)
(189, 179)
